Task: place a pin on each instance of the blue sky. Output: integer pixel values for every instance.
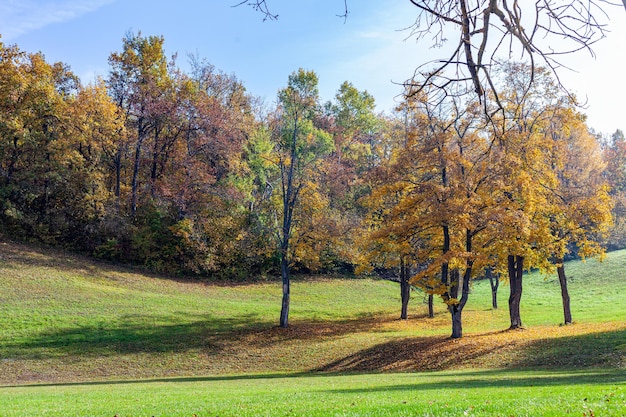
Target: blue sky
(370, 49)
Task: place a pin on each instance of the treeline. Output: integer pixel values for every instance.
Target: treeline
(178, 171)
(186, 172)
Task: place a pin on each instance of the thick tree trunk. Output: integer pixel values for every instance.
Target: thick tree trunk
(431, 306)
(567, 313)
(516, 269)
(457, 323)
(456, 310)
(405, 290)
(494, 281)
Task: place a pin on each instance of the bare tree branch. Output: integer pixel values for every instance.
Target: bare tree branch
(490, 32)
(259, 6)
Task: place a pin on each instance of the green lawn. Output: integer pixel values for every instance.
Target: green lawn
(469, 393)
(85, 338)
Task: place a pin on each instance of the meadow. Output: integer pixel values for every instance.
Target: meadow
(85, 338)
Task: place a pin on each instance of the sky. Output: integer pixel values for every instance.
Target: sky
(370, 49)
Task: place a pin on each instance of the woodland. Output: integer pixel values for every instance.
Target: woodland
(188, 174)
(149, 219)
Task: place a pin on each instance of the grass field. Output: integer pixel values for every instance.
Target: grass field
(82, 338)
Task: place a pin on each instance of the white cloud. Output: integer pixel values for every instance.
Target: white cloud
(19, 17)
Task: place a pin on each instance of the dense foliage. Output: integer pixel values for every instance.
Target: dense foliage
(186, 172)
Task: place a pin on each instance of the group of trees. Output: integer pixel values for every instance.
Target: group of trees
(186, 172)
(464, 195)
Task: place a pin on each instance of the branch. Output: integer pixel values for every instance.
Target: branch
(259, 6)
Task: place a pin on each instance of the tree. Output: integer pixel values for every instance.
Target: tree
(356, 130)
(299, 146)
(33, 126)
(521, 151)
(582, 205)
(55, 137)
(139, 82)
(614, 153)
(436, 196)
(390, 244)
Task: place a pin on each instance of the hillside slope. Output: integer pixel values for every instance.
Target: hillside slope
(65, 318)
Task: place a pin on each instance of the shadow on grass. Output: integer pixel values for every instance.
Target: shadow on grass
(493, 350)
(606, 349)
(455, 380)
(148, 335)
(16, 255)
(501, 379)
(129, 335)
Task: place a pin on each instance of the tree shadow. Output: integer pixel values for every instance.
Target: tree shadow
(606, 349)
(128, 335)
(211, 335)
(603, 350)
(501, 379)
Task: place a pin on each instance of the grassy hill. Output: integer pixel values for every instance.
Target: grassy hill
(84, 338)
(65, 318)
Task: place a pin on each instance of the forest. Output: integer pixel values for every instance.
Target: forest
(184, 172)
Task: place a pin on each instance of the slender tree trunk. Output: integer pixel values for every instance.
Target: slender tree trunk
(284, 311)
(567, 313)
(11, 166)
(141, 135)
(133, 201)
(155, 162)
(284, 254)
(118, 173)
(516, 269)
(405, 289)
(494, 281)
(431, 306)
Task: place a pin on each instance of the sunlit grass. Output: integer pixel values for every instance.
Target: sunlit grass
(474, 393)
(66, 319)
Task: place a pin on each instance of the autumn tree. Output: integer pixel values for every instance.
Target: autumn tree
(299, 146)
(521, 152)
(438, 196)
(55, 133)
(390, 244)
(35, 98)
(139, 83)
(581, 201)
(614, 153)
(547, 200)
(356, 131)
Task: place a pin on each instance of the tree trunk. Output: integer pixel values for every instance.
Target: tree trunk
(567, 313)
(405, 290)
(155, 161)
(284, 263)
(457, 309)
(516, 269)
(494, 281)
(118, 173)
(284, 311)
(457, 324)
(431, 307)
